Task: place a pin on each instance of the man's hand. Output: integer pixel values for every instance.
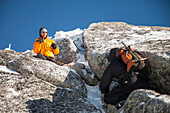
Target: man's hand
(41, 39)
(53, 45)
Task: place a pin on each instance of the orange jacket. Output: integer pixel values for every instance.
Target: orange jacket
(45, 47)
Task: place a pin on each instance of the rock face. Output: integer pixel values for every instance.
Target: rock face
(141, 101)
(36, 89)
(159, 71)
(86, 74)
(46, 70)
(19, 93)
(99, 38)
(69, 43)
(17, 90)
(67, 51)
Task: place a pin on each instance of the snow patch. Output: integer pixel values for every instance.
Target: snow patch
(9, 47)
(142, 103)
(7, 70)
(94, 96)
(161, 97)
(75, 36)
(122, 111)
(68, 89)
(13, 92)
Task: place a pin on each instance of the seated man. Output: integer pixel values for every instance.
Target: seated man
(130, 80)
(44, 47)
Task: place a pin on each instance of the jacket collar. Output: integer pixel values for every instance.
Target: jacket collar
(41, 37)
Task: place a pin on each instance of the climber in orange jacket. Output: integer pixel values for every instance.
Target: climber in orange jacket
(44, 47)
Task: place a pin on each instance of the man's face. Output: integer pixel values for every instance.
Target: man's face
(44, 34)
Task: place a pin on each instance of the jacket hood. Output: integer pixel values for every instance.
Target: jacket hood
(40, 37)
(40, 31)
(113, 54)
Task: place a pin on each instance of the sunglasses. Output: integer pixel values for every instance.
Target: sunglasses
(44, 32)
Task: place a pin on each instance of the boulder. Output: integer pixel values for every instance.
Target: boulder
(86, 74)
(68, 51)
(43, 69)
(7, 56)
(141, 101)
(19, 93)
(159, 71)
(75, 36)
(100, 38)
(40, 86)
(17, 89)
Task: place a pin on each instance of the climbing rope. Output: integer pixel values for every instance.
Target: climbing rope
(69, 65)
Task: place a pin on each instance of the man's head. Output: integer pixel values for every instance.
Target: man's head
(43, 32)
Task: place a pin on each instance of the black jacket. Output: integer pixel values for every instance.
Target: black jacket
(118, 69)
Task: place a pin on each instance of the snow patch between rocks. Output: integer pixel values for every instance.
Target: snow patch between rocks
(93, 93)
(94, 96)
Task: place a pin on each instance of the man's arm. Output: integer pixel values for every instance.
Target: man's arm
(37, 47)
(106, 79)
(55, 48)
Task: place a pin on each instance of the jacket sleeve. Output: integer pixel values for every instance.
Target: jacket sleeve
(106, 79)
(37, 47)
(56, 51)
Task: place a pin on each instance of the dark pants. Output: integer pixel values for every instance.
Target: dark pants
(39, 55)
(121, 92)
(128, 81)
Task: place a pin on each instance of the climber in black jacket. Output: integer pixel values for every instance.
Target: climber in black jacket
(128, 81)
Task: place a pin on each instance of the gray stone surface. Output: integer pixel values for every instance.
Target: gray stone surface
(46, 70)
(17, 90)
(23, 94)
(68, 51)
(86, 74)
(159, 71)
(41, 86)
(142, 101)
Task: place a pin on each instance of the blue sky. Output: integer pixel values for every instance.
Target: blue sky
(21, 20)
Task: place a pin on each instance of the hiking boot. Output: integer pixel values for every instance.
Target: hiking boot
(120, 104)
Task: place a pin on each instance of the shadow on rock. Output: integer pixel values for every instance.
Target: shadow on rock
(72, 99)
(40, 105)
(64, 100)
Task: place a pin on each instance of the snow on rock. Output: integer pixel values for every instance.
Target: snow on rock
(81, 65)
(29, 53)
(9, 47)
(70, 44)
(7, 70)
(75, 36)
(94, 96)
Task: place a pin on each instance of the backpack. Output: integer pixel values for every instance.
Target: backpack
(130, 61)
